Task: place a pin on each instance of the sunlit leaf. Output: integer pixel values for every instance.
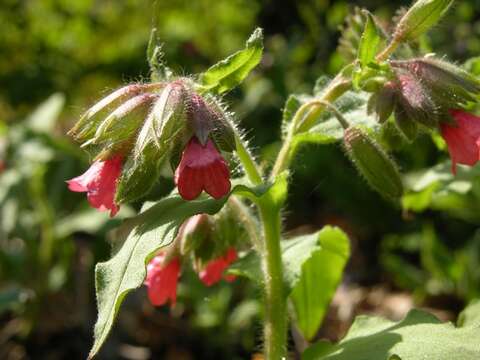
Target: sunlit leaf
(369, 41)
(230, 72)
(417, 337)
(156, 226)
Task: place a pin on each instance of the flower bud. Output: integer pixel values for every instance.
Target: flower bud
(450, 85)
(415, 101)
(420, 18)
(158, 134)
(86, 127)
(407, 127)
(195, 231)
(209, 120)
(372, 162)
(124, 120)
(385, 102)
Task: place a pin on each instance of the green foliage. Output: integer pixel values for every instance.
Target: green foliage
(437, 188)
(329, 251)
(369, 41)
(309, 261)
(155, 227)
(230, 72)
(420, 335)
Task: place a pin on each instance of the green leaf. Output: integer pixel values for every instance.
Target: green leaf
(328, 250)
(417, 337)
(369, 41)
(297, 252)
(423, 15)
(438, 189)
(156, 226)
(230, 72)
(470, 316)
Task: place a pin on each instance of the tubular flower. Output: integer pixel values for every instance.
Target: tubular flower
(100, 184)
(463, 140)
(162, 280)
(213, 272)
(202, 167)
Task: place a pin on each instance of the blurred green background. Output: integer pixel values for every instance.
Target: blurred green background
(59, 56)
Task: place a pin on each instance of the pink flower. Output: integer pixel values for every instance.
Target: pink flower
(463, 140)
(162, 280)
(100, 184)
(213, 272)
(202, 168)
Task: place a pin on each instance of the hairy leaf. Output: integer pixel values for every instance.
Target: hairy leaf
(417, 337)
(156, 226)
(230, 72)
(323, 270)
(369, 41)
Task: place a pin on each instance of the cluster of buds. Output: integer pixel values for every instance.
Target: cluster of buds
(431, 93)
(139, 129)
(202, 237)
(421, 93)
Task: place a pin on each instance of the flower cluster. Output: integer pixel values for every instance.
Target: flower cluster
(163, 274)
(203, 239)
(430, 93)
(138, 129)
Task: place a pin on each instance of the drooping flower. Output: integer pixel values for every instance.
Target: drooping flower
(213, 272)
(162, 280)
(463, 139)
(100, 184)
(202, 167)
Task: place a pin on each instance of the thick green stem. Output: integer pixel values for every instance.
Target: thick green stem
(275, 328)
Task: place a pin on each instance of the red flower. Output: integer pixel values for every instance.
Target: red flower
(202, 167)
(162, 280)
(100, 184)
(213, 272)
(463, 140)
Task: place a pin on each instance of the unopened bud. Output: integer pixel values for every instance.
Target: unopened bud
(87, 125)
(194, 232)
(420, 18)
(385, 102)
(209, 120)
(415, 100)
(125, 120)
(450, 85)
(373, 163)
(407, 127)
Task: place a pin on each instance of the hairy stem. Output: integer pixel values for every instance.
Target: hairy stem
(275, 328)
(303, 120)
(249, 165)
(248, 220)
(388, 50)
